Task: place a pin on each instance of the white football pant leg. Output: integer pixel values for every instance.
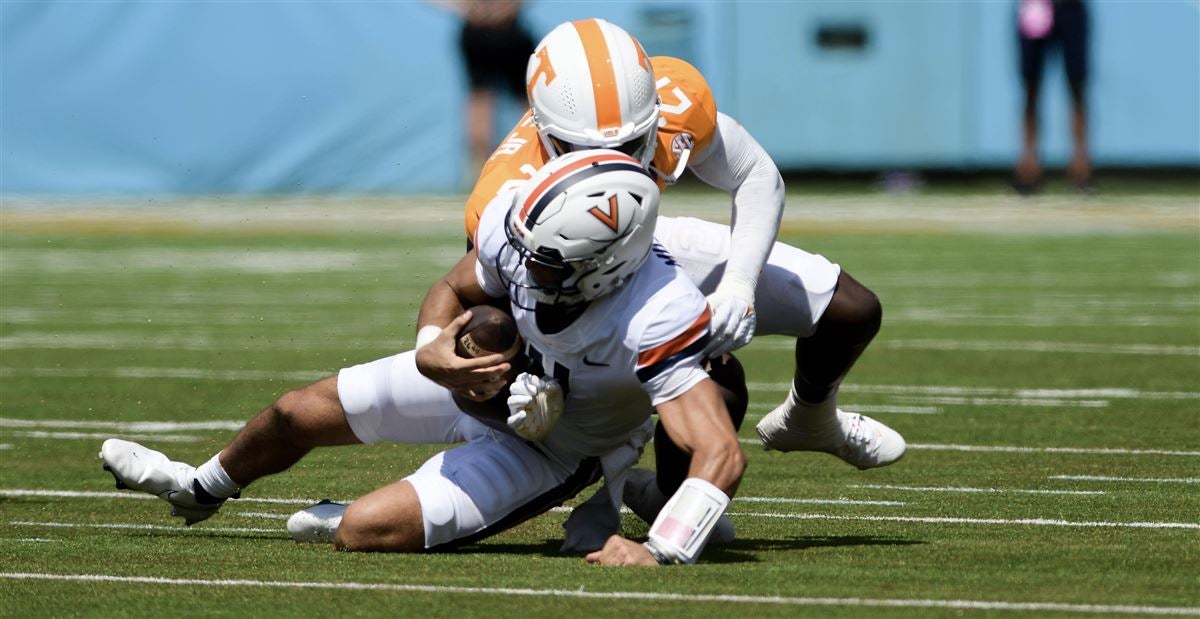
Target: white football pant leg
(793, 290)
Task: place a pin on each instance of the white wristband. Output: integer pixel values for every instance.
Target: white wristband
(686, 521)
(427, 334)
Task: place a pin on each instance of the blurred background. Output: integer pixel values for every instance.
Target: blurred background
(214, 98)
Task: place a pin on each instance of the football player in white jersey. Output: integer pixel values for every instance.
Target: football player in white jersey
(614, 330)
(591, 85)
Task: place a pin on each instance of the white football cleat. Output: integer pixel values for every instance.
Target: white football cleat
(856, 439)
(646, 500)
(316, 524)
(145, 470)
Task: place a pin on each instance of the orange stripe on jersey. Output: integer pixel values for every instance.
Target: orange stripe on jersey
(557, 176)
(680, 342)
(604, 78)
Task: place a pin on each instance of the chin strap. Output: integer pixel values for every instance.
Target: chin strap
(685, 523)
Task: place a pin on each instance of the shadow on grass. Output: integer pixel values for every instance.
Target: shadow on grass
(740, 551)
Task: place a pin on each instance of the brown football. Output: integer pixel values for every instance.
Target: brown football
(489, 331)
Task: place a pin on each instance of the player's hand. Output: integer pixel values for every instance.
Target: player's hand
(477, 379)
(536, 403)
(620, 551)
(732, 325)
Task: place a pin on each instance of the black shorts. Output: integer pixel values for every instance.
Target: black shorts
(496, 56)
(1070, 32)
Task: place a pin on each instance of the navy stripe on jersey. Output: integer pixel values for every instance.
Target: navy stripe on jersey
(587, 172)
(650, 371)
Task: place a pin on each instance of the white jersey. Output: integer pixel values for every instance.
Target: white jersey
(628, 352)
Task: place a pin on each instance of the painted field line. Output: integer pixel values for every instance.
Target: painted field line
(1036, 522)
(767, 499)
(6, 446)
(141, 527)
(156, 373)
(28, 539)
(1017, 346)
(1108, 451)
(73, 436)
(1107, 393)
(128, 426)
(266, 515)
(1051, 347)
(1156, 480)
(978, 401)
(972, 490)
(82, 494)
(858, 408)
(619, 595)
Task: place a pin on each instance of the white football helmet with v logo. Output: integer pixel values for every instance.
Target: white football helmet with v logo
(580, 227)
(591, 85)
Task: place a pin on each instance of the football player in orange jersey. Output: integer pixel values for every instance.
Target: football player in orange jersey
(592, 85)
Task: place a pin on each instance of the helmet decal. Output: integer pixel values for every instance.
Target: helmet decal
(543, 68)
(604, 80)
(610, 218)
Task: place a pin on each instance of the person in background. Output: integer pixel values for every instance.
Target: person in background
(495, 48)
(1042, 25)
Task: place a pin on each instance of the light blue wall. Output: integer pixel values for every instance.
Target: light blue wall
(367, 97)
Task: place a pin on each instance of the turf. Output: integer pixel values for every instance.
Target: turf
(1041, 358)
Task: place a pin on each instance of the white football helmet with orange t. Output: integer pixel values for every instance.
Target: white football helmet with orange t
(606, 98)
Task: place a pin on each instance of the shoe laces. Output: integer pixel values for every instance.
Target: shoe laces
(858, 432)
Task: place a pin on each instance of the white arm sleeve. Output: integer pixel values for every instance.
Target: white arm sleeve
(735, 162)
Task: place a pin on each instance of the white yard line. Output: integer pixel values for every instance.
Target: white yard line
(267, 515)
(141, 527)
(767, 499)
(158, 373)
(1045, 347)
(1037, 522)
(1153, 480)
(82, 494)
(1107, 451)
(619, 595)
(73, 436)
(973, 490)
(1108, 393)
(129, 426)
(873, 409)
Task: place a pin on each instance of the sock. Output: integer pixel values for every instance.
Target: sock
(812, 414)
(212, 482)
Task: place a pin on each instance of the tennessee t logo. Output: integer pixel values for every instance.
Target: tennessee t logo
(543, 68)
(610, 218)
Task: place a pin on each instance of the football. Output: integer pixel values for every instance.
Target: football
(489, 331)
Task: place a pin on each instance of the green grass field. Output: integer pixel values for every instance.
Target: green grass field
(1041, 357)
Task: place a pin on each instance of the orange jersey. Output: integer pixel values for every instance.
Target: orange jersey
(687, 119)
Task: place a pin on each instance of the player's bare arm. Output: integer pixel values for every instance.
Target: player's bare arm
(441, 318)
(698, 422)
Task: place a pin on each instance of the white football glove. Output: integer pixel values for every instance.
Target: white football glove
(732, 325)
(535, 404)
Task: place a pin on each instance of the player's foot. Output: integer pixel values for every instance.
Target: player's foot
(856, 439)
(316, 523)
(145, 470)
(646, 500)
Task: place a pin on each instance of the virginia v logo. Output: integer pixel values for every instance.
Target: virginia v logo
(611, 217)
